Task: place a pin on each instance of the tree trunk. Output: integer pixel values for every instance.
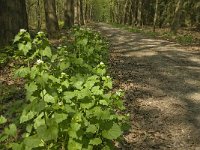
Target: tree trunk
(13, 17)
(82, 21)
(139, 14)
(155, 16)
(76, 12)
(38, 16)
(69, 14)
(51, 17)
(177, 15)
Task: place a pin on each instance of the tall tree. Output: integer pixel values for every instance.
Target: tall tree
(82, 21)
(155, 16)
(176, 19)
(13, 17)
(69, 14)
(51, 17)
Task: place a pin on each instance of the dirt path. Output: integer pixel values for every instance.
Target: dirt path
(162, 84)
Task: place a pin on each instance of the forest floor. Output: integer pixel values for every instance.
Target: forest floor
(161, 80)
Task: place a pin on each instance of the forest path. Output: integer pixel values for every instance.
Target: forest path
(162, 84)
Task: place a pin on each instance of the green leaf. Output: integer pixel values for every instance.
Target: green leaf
(74, 127)
(103, 102)
(73, 145)
(39, 121)
(11, 130)
(16, 146)
(47, 52)
(25, 47)
(17, 38)
(32, 142)
(65, 83)
(83, 42)
(78, 85)
(113, 133)
(64, 65)
(92, 128)
(59, 117)
(49, 99)
(83, 93)
(22, 72)
(26, 116)
(97, 91)
(50, 132)
(95, 141)
(30, 88)
(68, 96)
(2, 119)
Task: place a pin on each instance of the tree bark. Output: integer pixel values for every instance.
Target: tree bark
(139, 14)
(51, 17)
(13, 17)
(69, 14)
(177, 15)
(82, 21)
(155, 16)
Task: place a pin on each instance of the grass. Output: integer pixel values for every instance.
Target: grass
(183, 39)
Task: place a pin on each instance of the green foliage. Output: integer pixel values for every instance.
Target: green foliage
(185, 39)
(70, 104)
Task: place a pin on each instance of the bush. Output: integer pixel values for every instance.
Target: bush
(70, 103)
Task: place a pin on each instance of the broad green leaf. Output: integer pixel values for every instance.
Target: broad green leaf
(97, 91)
(49, 99)
(17, 38)
(78, 61)
(113, 133)
(11, 130)
(32, 142)
(47, 52)
(78, 84)
(83, 93)
(39, 121)
(26, 116)
(95, 141)
(22, 72)
(103, 102)
(92, 129)
(29, 128)
(73, 145)
(65, 83)
(2, 119)
(64, 65)
(25, 47)
(59, 117)
(68, 96)
(74, 127)
(54, 79)
(48, 133)
(16, 146)
(83, 42)
(30, 89)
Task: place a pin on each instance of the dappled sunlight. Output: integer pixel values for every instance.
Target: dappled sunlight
(194, 97)
(162, 85)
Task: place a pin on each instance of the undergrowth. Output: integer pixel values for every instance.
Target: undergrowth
(69, 99)
(181, 39)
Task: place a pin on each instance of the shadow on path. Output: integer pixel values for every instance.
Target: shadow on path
(162, 84)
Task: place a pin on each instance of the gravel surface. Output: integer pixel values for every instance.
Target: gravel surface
(161, 80)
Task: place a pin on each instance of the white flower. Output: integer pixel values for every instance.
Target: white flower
(22, 30)
(60, 103)
(108, 77)
(101, 63)
(39, 62)
(40, 32)
(63, 73)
